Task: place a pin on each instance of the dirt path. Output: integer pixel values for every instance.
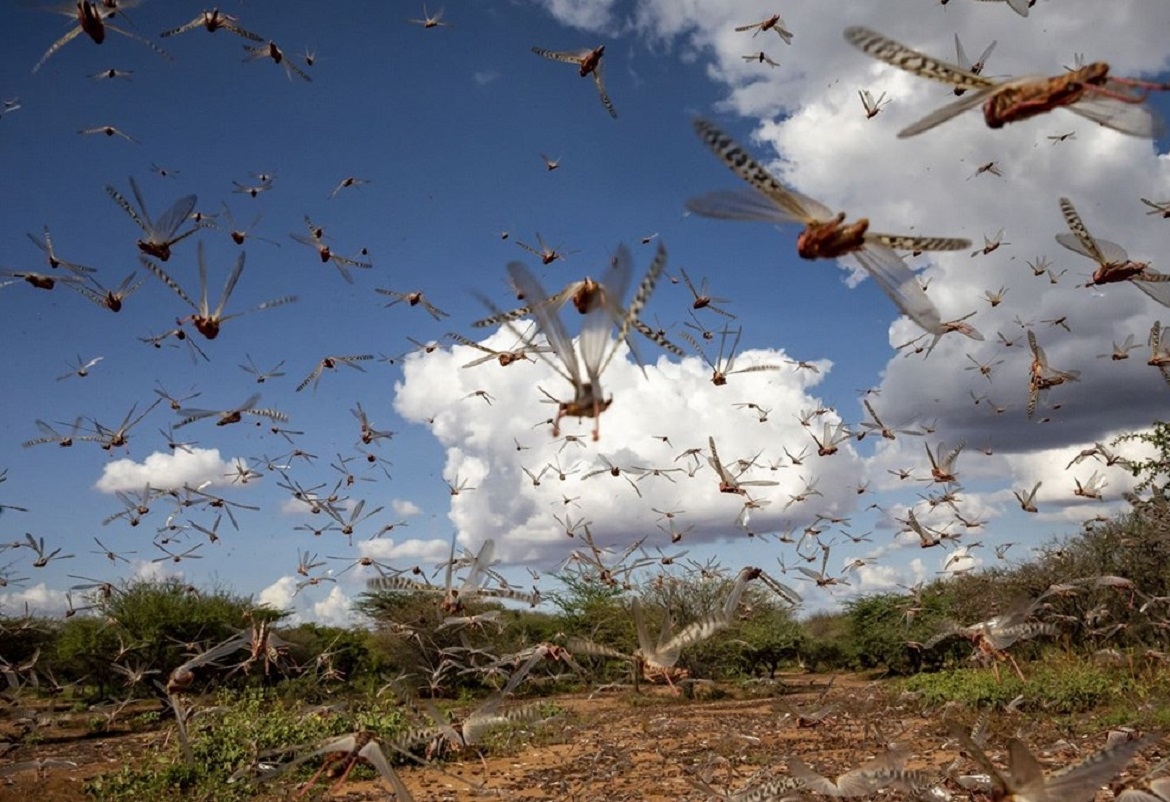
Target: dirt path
(625, 747)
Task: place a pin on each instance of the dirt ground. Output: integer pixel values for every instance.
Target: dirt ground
(621, 746)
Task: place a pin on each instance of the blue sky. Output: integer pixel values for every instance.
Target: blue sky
(449, 126)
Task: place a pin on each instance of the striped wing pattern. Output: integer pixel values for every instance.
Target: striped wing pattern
(780, 204)
(899, 242)
(904, 58)
(793, 205)
(1077, 227)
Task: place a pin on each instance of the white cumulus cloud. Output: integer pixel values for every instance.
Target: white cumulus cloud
(405, 507)
(648, 433)
(167, 471)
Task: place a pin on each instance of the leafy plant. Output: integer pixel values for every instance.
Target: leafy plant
(229, 736)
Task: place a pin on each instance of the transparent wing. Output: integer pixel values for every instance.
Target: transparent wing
(740, 204)
(593, 341)
(641, 297)
(1128, 118)
(695, 632)
(1158, 290)
(963, 62)
(940, 116)
(616, 281)
(151, 227)
(899, 284)
(204, 309)
(128, 287)
(799, 207)
(230, 285)
(949, 461)
(1112, 251)
(483, 560)
(1037, 352)
(959, 732)
(223, 649)
(724, 475)
(1080, 782)
(548, 321)
(1100, 251)
(373, 754)
(46, 247)
(644, 641)
(884, 49)
(249, 404)
(258, 52)
(169, 223)
(858, 782)
(1018, 6)
(1074, 244)
(986, 53)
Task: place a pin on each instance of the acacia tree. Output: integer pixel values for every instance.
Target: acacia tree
(1153, 473)
(769, 637)
(887, 628)
(436, 656)
(162, 622)
(593, 609)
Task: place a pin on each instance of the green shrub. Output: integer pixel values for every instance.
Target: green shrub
(228, 737)
(1054, 686)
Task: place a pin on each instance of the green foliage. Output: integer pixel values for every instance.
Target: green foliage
(1053, 686)
(153, 620)
(228, 737)
(21, 638)
(593, 609)
(771, 637)
(407, 638)
(1135, 547)
(415, 639)
(827, 644)
(688, 598)
(154, 610)
(333, 654)
(83, 649)
(157, 618)
(881, 625)
(1153, 473)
